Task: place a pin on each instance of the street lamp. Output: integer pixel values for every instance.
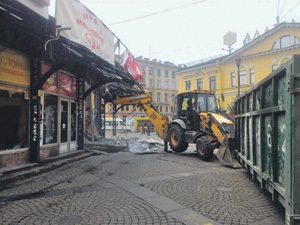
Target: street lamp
(238, 63)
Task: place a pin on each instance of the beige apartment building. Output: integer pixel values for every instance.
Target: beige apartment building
(160, 81)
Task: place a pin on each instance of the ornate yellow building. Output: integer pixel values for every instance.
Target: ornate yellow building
(254, 61)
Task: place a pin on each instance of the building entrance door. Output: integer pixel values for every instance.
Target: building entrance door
(68, 123)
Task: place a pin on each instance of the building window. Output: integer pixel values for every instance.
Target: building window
(158, 73)
(167, 109)
(212, 83)
(252, 77)
(158, 84)
(150, 83)
(173, 97)
(173, 86)
(166, 85)
(274, 67)
(173, 74)
(14, 113)
(171, 109)
(243, 80)
(144, 70)
(200, 83)
(188, 85)
(166, 97)
(150, 71)
(158, 97)
(285, 42)
(160, 108)
(166, 73)
(233, 84)
(127, 108)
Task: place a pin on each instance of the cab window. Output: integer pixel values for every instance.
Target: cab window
(212, 106)
(201, 103)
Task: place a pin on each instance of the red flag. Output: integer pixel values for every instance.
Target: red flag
(133, 67)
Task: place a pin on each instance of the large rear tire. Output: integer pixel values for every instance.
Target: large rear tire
(176, 139)
(204, 148)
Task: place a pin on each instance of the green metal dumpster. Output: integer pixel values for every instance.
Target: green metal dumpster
(268, 136)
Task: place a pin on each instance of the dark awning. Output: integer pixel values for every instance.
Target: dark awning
(29, 33)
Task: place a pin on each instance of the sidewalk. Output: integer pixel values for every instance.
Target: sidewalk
(12, 174)
(127, 188)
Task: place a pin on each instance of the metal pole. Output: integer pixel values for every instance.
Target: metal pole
(238, 81)
(35, 99)
(238, 64)
(114, 120)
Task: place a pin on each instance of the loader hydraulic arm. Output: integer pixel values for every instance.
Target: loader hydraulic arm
(159, 122)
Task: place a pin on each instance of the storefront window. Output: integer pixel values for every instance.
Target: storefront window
(14, 117)
(67, 85)
(50, 119)
(51, 83)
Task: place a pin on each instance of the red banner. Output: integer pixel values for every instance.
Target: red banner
(133, 67)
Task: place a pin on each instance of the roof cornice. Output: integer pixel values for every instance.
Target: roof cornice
(256, 55)
(260, 38)
(234, 55)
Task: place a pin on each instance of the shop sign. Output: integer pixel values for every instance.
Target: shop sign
(86, 28)
(14, 68)
(229, 38)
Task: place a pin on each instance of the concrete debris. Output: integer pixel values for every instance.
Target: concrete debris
(144, 146)
(124, 143)
(107, 145)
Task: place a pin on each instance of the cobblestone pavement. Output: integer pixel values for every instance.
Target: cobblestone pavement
(128, 188)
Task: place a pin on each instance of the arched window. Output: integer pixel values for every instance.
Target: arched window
(285, 41)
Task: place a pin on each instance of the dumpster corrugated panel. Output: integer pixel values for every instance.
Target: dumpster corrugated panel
(268, 136)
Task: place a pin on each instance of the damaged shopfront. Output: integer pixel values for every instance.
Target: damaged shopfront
(45, 80)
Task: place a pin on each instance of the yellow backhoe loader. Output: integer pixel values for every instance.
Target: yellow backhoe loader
(195, 120)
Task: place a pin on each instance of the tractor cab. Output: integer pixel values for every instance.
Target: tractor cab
(188, 105)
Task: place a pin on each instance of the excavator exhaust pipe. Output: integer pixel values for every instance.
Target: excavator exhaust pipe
(226, 154)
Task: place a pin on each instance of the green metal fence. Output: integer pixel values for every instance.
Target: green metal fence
(268, 136)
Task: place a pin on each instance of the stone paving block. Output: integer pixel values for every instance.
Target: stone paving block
(108, 185)
(164, 204)
(142, 192)
(123, 183)
(274, 220)
(203, 171)
(189, 217)
(177, 175)
(151, 179)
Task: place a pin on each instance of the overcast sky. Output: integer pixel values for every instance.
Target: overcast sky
(182, 31)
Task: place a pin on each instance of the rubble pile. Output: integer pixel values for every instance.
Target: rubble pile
(132, 143)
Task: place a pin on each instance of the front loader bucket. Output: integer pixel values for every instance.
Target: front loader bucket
(226, 155)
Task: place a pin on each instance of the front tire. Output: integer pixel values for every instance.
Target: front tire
(176, 139)
(204, 148)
